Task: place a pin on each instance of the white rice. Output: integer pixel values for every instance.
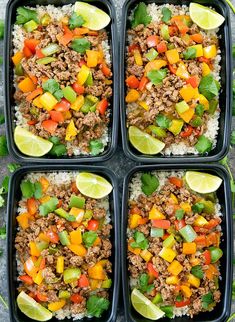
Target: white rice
(19, 35)
(155, 11)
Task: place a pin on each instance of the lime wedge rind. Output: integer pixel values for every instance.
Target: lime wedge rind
(145, 307)
(31, 308)
(92, 185)
(143, 142)
(95, 18)
(202, 182)
(205, 17)
(30, 144)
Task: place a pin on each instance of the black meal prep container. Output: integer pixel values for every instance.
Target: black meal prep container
(14, 196)
(225, 98)
(222, 309)
(8, 72)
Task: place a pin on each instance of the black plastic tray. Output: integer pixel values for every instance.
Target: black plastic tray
(225, 98)
(14, 196)
(8, 74)
(222, 309)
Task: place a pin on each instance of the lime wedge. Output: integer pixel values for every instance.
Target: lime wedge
(202, 182)
(31, 144)
(31, 308)
(94, 17)
(145, 307)
(205, 17)
(144, 142)
(92, 185)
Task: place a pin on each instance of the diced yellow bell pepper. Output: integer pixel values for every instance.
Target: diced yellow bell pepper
(182, 71)
(172, 280)
(132, 96)
(37, 103)
(34, 251)
(45, 183)
(200, 221)
(155, 64)
(188, 92)
(168, 254)
(205, 69)
(175, 268)
(71, 131)
(48, 101)
(189, 248)
(186, 290)
(188, 115)
(203, 100)
(199, 50)
(146, 255)
(83, 74)
(185, 206)
(67, 115)
(97, 242)
(138, 57)
(210, 51)
(134, 221)
(17, 58)
(144, 105)
(194, 261)
(38, 278)
(155, 213)
(94, 284)
(79, 250)
(97, 272)
(176, 126)
(135, 251)
(173, 199)
(76, 237)
(44, 199)
(78, 103)
(60, 265)
(23, 220)
(193, 280)
(26, 85)
(55, 306)
(172, 56)
(92, 58)
(78, 213)
(43, 237)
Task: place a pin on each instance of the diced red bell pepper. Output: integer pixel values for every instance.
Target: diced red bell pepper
(93, 224)
(32, 206)
(203, 59)
(31, 122)
(82, 62)
(200, 240)
(41, 297)
(56, 116)
(179, 224)
(212, 223)
(105, 70)
(102, 106)
(50, 126)
(207, 256)
(172, 69)
(176, 181)
(83, 281)
(132, 81)
(42, 264)
(62, 106)
(161, 223)
(172, 30)
(152, 270)
(133, 47)
(182, 303)
(143, 82)
(162, 47)
(79, 89)
(76, 298)
(74, 187)
(193, 81)
(31, 44)
(135, 210)
(27, 52)
(26, 279)
(187, 131)
(39, 53)
(53, 236)
(152, 41)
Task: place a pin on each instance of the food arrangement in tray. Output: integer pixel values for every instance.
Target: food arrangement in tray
(63, 79)
(173, 79)
(63, 245)
(173, 239)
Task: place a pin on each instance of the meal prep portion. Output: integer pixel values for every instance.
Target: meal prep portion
(173, 239)
(173, 79)
(63, 79)
(63, 246)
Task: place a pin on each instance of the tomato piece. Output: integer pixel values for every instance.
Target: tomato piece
(133, 47)
(62, 106)
(31, 44)
(32, 206)
(27, 52)
(93, 224)
(78, 88)
(152, 41)
(102, 106)
(50, 126)
(182, 303)
(187, 132)
(53, 236)
(132, 81)
(26, 279)
(176, 181)
(143, 82)
(162, 47)
(56, 116)
(83, 281)
(161, 223)
(76, 298)
(207, 256)
(152, 270)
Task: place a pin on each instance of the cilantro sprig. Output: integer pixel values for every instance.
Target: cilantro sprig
(81, 45)
(149, 183)
(76, 21)
(140, 241)
(29, 189)
(157, 76)
(96, 305)
(144, 285)
(24, 15)
(140, 15)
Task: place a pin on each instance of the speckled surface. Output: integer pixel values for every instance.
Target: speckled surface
(119, 164)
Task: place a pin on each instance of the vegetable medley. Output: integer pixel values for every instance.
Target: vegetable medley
(172, 78)
(174, 244)
(63, 247)
(63, 79)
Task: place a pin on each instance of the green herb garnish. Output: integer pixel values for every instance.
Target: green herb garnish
(89, 238)
(209, 87)
(140, 241)
(81, 45)
(24, 15)
(157, 76)
(149, 183)
(96, 305)
(140, 15)
(76, 21)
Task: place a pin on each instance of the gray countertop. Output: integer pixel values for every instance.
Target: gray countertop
(119, 164)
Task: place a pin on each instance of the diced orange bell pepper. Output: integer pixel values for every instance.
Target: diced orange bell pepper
(105, 69)
(172, 56)
(43, 237)
(187, 92)
(211, 272)
(188, 115)
(55, 306)
(17, 58)
(38, 278)
(34, 94)
(132, 96)
(50, 126)
(97, 272)
(92, 58)
(76, 237)
(161, 223)
(33, 249)
(132, 81)
(78, 213)
(189, 248)
(210, 51)
(156, 214)
(79, 250)
(146, 255)
(29, 266)
(198, 38)
(32, 206)
(80, 31)
(155, 64)
(26, 85)
(23, 220)
(186, 290)
(138, 57)
(134, 221)
(176, 181)
(143, 82)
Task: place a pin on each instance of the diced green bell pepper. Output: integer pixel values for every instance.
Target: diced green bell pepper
(48, 206)
(64, 294)
(19, 71)
(209, 206)
(213, 106)
(199, 109)
(168, 309)
(46, 60)
(30, 26)
(89, 80)
(106, 283)
(64, 238)
(64, 214)
(157, 232)
(188, 233)
(88, 214)
(42, 245)
(216, 254)
(52, 250)
(69, 94)
(181, 107)
(50, 49)
(151, 54)
(165, 32)
(158, 131)
(169, 241)
(78, 202)
(196, 121)
(71, 275)
(157, 299)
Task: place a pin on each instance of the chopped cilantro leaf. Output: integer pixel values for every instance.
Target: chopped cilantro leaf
(76, 21)
(166, 14)
(24, 15)
(149, 183)
(140, 15)
(96, 305)
(80, 45)
(157, 76)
